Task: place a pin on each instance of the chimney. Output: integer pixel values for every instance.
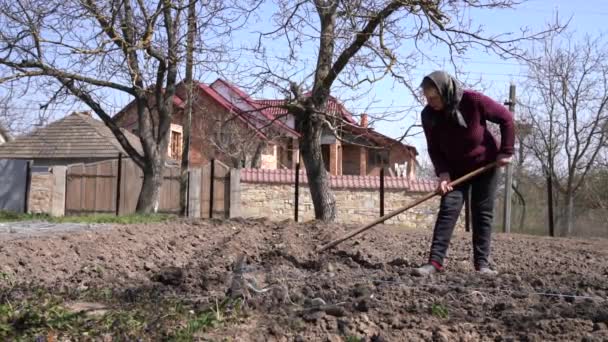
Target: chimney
(363, 122)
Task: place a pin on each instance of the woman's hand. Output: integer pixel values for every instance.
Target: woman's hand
(504, 159)
(444, 184)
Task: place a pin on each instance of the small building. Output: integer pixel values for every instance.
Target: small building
(76, 138)
(47, 151)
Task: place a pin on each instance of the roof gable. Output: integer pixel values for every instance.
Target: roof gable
(251, 109)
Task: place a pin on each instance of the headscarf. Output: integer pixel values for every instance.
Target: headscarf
(451, 94)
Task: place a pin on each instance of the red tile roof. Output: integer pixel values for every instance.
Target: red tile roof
(348, 182)
(333, 106)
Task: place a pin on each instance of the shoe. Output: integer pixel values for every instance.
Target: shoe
(485, 270)
(425, 270)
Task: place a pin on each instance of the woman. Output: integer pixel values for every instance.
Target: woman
(459, 141)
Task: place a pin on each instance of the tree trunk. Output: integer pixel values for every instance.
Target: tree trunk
(149, 197)
(323, 198)
(187, 121)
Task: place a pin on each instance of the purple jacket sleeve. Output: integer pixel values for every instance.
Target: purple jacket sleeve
(439, 162)
(497, 113)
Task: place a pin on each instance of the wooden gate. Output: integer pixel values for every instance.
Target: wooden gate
(218, 189)
(113, 186)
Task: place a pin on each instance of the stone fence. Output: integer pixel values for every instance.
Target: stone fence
(254, 193)
(271, 193)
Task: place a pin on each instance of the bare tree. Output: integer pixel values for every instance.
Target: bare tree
(357, 43)
(94, 50)
(567, 110)
(187, 120)
(18, 120)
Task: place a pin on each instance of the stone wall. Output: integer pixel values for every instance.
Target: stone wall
(41, 193)
(355, 206)
(47, 191)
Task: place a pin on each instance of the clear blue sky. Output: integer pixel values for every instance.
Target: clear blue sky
(496, 74)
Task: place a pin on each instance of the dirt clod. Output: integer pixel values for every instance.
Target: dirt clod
(169, 276)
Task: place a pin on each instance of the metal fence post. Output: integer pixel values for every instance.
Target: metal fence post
(212, 178)
(382, 192)
(297, 193)
(28, 184)
(118, 183)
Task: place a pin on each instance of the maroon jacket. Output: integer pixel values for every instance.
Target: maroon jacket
(459, 150)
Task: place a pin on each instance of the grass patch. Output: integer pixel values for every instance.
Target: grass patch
(7, 216)
(108, 218)
(44, 316)
(440, 311)
(226, 311)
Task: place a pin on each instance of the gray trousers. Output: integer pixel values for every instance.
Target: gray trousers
(483, 189)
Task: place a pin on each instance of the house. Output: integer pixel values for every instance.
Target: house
(229, 125)
(4, 135)
(76, 138)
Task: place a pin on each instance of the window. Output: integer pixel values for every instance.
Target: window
(377, 157)
(175, 148)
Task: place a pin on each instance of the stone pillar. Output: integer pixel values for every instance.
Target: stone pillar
(194, 193)
(363, 161)
(235, 194)
(58, 175)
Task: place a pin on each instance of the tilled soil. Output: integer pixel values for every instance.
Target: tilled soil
(362, 290)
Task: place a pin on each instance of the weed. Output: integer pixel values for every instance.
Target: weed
(351, 338)
(219, 313)
(7, 278)
(438, 310)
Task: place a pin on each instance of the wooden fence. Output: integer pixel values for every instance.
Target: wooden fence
(113, 186)
(217, 186)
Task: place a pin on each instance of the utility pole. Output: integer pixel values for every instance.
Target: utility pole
(550, 204)
(506, 223)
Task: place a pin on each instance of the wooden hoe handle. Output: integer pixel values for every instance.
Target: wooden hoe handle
(409, 206)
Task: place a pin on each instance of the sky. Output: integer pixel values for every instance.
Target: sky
(388, 96)
(495, 74)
